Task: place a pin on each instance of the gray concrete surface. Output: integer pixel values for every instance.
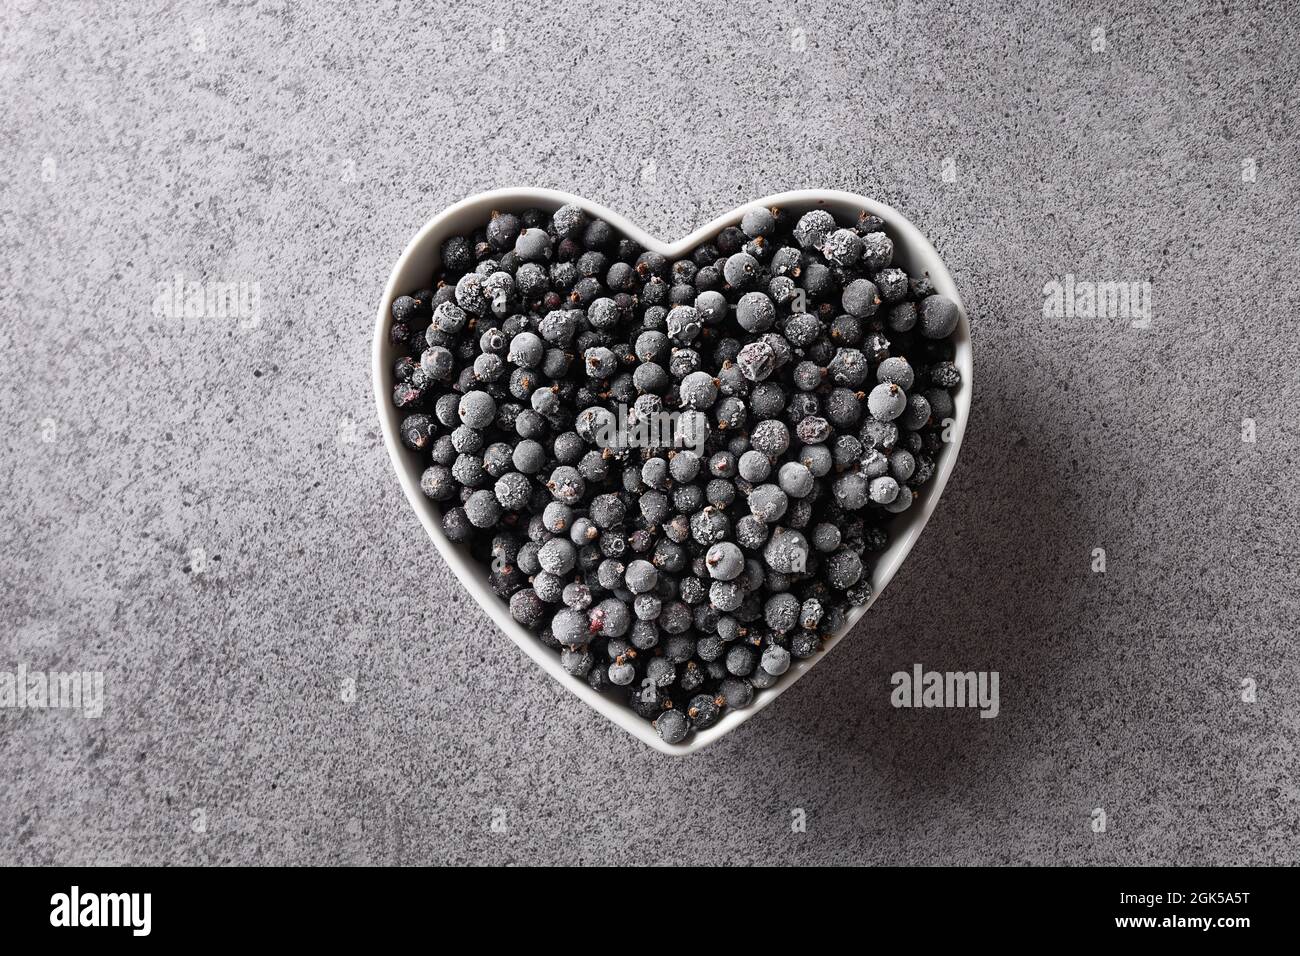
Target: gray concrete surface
(202, 509)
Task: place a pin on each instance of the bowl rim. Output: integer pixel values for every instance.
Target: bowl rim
(914, 248)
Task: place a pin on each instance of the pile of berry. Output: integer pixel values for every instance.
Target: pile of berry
(808, 380)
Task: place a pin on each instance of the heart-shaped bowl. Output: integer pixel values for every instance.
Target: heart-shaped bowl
(420, 261)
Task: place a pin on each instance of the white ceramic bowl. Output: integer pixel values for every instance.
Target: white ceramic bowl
(415, 269)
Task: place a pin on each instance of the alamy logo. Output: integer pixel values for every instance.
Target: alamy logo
(103, 909)
(179, 299)
(653, 430)
(922, 688)
(60, 690)
(1071, 297)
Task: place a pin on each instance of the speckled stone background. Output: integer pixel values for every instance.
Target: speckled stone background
(204, 510)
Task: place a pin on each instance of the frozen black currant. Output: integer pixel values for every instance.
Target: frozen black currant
(682, 470)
